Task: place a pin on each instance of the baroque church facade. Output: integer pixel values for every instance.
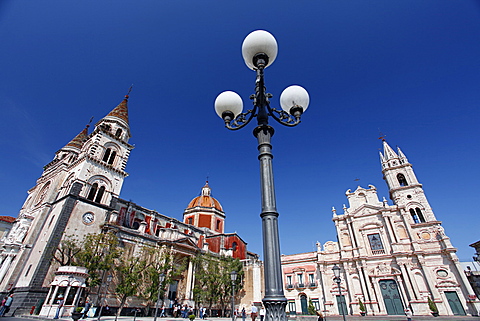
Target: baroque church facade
(78, 193)
(391, 257)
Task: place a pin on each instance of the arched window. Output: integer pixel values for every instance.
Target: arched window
(414, 216)
(118, 133)
(112, 157)
(218, 224)
(420, 215)
(93, 191)
(106, 155)
(402, 180)
(98, 199)
(109, 156)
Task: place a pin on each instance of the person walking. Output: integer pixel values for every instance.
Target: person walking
(204, 309)
(87, 307)
(244, 314)
(253, 312)
(262, 313)
(409, 314)
(60, 303)
(6, 305)
(162, 313)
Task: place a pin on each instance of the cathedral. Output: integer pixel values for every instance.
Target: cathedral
(78, 193)
(391, 257)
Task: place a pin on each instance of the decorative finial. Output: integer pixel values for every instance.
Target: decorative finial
(128, 93)
(88, 125)
(382, 136)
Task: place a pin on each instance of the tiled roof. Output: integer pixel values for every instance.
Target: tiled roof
(78, 141)
(121, 111)
(8, 219)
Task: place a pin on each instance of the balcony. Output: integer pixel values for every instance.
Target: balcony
(300, 285)
(289, 286)
(312, 285)
(378, 252)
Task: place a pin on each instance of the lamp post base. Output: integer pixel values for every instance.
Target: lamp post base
(275, 309)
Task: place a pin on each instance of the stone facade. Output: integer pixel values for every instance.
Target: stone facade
(391, 256)
(78, 193)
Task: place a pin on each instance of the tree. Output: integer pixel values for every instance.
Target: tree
(213, 285)
(160, 261)
(361, 306)
(311, 308)
(130, 270)
(67, 251)
(98, 253)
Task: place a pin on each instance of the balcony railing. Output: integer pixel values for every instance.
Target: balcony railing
(377, 252)
(312, 285)
(289, 286)
(300, 285)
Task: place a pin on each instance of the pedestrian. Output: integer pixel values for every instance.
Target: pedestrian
(6, 304)
(87, 307)
(60, 302)
(253, 312)
(320, 316)
(204, 313)
(244, 314)
(409, 314)
(162, 313)
(184, 311)
(175, 311)
(262, 313)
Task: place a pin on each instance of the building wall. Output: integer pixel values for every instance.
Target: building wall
(391, 256)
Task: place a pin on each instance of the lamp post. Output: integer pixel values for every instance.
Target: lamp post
(233, 276)
(336, 273)
(109, 279)
(259, 50)
(161, 278)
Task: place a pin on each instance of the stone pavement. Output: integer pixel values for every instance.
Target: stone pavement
(329, 318)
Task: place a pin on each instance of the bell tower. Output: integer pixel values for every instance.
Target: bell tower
(405, 190)
(73, 196)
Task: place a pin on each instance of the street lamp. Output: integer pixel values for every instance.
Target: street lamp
(336, 273)
(233, 276)
(109, 279)
(161, 278)
(259, 50)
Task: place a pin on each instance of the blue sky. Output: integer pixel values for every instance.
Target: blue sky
(407, 69)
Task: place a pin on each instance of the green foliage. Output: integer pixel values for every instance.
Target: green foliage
(311, 308)
(213, 284)
(78, 309)
(67, 251)
(158, 261)
(432, 306)
(361, 306)
(96, 252)
(191, 317)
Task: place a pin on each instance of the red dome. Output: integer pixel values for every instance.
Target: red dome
(205, 200)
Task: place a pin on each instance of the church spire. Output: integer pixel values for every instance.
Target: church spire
(77, 142)
(116, 122)
(120, 112)
(388, 152)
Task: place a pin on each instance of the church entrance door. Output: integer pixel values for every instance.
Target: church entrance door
(391, 297)
(303, 302)
(454, 303)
